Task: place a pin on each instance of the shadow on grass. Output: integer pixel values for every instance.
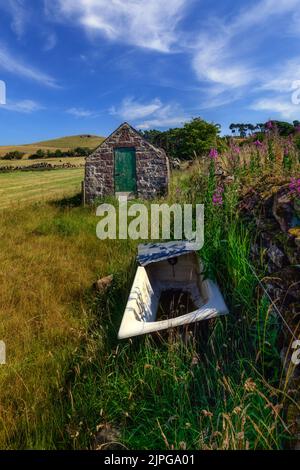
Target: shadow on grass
(73, 201)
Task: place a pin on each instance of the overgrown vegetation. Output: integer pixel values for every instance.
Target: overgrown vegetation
(214, 386)
(70, 384)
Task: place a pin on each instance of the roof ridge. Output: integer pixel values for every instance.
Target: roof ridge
(125, 123)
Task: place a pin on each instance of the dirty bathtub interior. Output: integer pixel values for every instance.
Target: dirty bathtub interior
(169, 290)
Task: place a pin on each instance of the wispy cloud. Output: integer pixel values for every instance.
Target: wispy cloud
(81, 113)
(19, 13)
(50, 42)
(215, 63)
(18, 67)
(281, 106)
(131, 109)
(149, 24)
(23, 106)
(264, 11)
(164, 119)
(281, 78)
(151, 114)
(277, 87)
(226, 60)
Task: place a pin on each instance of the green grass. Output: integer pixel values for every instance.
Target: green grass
(214, 385)
(72, 141)
(25, 187)
(50, 257)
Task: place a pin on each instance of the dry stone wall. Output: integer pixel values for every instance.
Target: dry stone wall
(276, 215)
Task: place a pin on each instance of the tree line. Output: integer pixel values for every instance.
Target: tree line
(284, 128)
(40, 154)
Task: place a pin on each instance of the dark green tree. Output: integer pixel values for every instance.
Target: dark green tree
(14, 155)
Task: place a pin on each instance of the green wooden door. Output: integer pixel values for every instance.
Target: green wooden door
(125, 170)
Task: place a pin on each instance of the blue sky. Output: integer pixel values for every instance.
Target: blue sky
(84, 66)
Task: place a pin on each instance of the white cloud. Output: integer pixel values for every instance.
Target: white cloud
(281, 84)
(12, 65)
(216, 96)
(281, 79)
(163, 121)
(219, 57)
(213, 62)
(131, 109)
(149, 24)
(279, 105)
(19, 14)
(24, 106)
(149, 115)
(51, 41)
(169, 115)
(81, 112)
(264, 11)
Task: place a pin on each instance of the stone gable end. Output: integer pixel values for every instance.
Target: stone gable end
(152, 166)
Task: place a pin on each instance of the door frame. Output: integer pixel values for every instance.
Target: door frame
(124, 147)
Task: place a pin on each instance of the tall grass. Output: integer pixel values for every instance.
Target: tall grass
(49, 258)
(207, 386)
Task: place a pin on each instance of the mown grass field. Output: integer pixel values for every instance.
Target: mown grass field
(62, 143)
(19, 188)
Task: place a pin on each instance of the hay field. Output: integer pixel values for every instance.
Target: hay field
(19, 188)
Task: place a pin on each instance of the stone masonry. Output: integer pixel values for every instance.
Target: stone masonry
(152, 166)
(276, 214)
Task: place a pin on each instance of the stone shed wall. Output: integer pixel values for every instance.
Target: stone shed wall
(152, 166)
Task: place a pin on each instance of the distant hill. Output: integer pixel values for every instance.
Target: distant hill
(61, 143)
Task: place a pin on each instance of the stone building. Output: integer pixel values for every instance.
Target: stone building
(125, 163)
